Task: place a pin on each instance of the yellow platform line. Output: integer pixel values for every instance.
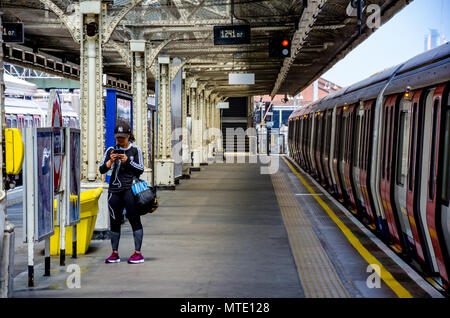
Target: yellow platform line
(385, 275)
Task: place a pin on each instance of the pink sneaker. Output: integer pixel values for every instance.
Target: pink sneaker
(114, 258)
(136, 258)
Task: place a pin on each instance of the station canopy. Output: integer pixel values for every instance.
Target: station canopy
(321, 33)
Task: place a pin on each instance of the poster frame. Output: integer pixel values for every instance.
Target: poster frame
(38, 237)
(70, 175)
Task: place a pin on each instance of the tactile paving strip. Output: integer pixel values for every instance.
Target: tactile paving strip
(316, 272)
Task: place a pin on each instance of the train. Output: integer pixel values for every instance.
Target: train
(382, 148)
(25, 107)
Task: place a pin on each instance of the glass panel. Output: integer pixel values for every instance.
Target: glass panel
(385, 115)
(343, 138)
(356, 147)
(402, 158)
(446, 158)
(413, 146)
(431, 183)
(389, 146)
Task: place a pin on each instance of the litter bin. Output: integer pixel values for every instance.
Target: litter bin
(85, 229)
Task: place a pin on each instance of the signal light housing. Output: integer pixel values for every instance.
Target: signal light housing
(280, 47)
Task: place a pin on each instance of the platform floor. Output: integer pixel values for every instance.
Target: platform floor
(230, 231)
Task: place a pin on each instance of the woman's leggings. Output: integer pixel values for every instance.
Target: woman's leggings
(117, 201)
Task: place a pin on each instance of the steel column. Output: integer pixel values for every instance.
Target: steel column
(139, 86)
(91, 105)
(164, 164)
(196, 137)
(186, 138)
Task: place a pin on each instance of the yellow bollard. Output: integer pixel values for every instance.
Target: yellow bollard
(85, 229)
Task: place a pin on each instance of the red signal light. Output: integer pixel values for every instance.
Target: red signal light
(285, 43)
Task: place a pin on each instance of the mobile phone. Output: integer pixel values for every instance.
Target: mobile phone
(119, 151)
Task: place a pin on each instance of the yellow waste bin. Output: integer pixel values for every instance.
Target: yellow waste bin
(85, 229)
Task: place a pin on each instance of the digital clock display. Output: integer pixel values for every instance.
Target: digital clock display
(13, 32)
(232, 34)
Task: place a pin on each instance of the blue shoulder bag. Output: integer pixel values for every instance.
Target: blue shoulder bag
(145, 196)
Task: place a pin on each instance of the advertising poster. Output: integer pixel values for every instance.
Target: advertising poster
(123, 110)
(44, 156)
(74, 177)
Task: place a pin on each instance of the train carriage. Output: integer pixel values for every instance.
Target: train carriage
(381, 146)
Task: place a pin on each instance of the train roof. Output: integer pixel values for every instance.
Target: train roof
(17, 87)
(21, 106)
(27, 106)
(429, 64)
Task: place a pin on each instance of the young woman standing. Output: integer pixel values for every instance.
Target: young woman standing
(125, 161)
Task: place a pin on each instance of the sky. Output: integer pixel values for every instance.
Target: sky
(395, 42)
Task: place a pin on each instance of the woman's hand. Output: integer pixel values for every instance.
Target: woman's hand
(123, 158)
(114, 156)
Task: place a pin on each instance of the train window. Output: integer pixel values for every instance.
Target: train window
(412, 151)
(431, 183)
(350, 134)
(383, 156)
(356, 145)
(328, 140)
(336, 136)
(368, 135)
(362, 155)
(343, 137)
(388, 141)
(446, 166)
(402, 158)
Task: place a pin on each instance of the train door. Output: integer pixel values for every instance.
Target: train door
(14, 121)
(299, 136)
(303, 143)
(28, 121)
(312, 144)
(326, 150)
(387, 170)
(306, 142)
(318, 147)
(358, 140)
(416, 195)
(343, 154)
(401, 170)
(290, 126)
(433, 208)
(365, 158)
(295, 139)
(291, 138)
(413, 186)
(349, 112)
(331, 153)
(20, 121)
(37, 121)
(337, 154)
(8, 121)
(444, 179)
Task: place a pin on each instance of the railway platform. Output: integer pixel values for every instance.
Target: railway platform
(230, 231)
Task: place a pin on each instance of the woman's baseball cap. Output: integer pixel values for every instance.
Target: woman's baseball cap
(122, 129)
